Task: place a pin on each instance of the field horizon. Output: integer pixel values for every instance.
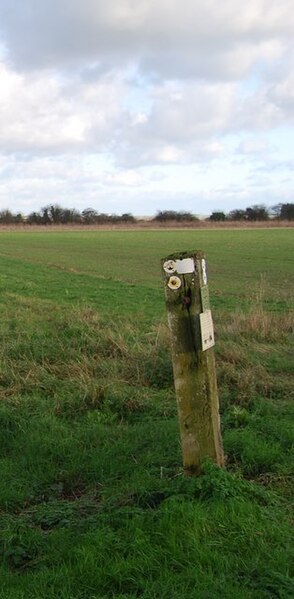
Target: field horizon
(149, 224)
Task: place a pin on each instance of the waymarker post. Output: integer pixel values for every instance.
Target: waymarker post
(192, 340)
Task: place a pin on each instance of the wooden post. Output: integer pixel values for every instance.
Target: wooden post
(192, 341)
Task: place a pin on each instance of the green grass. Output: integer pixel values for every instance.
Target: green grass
(93, 502)
(132, 256)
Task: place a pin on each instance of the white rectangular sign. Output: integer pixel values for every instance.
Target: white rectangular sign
(185, 266)
(206, 328)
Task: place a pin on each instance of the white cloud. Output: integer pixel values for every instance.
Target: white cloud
(253, 146)
(127, 178)
(40, 112)
(184, 124)
(168, 37)
(131, 98)
(282, 95)
(195, 112)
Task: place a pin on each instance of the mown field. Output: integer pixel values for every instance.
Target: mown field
(93, 502)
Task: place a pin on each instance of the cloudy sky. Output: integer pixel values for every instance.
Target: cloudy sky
(145, 105)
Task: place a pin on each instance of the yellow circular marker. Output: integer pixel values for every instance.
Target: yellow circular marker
(174, 283)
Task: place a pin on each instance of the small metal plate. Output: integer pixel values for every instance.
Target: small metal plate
(205, 298)
(206, 328)
(185, 266)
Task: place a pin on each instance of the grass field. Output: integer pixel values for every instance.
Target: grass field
(93, 502)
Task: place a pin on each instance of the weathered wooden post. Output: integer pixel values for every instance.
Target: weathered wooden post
(192, 341)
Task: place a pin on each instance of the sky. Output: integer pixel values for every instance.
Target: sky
(146, 105)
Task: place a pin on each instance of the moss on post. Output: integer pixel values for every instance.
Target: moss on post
(186, 294)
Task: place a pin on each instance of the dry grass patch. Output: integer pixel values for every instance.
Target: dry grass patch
(263, 325)
(246, 382)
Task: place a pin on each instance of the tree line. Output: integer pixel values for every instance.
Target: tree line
(56, 215)
(256, 213)
(252, 213)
